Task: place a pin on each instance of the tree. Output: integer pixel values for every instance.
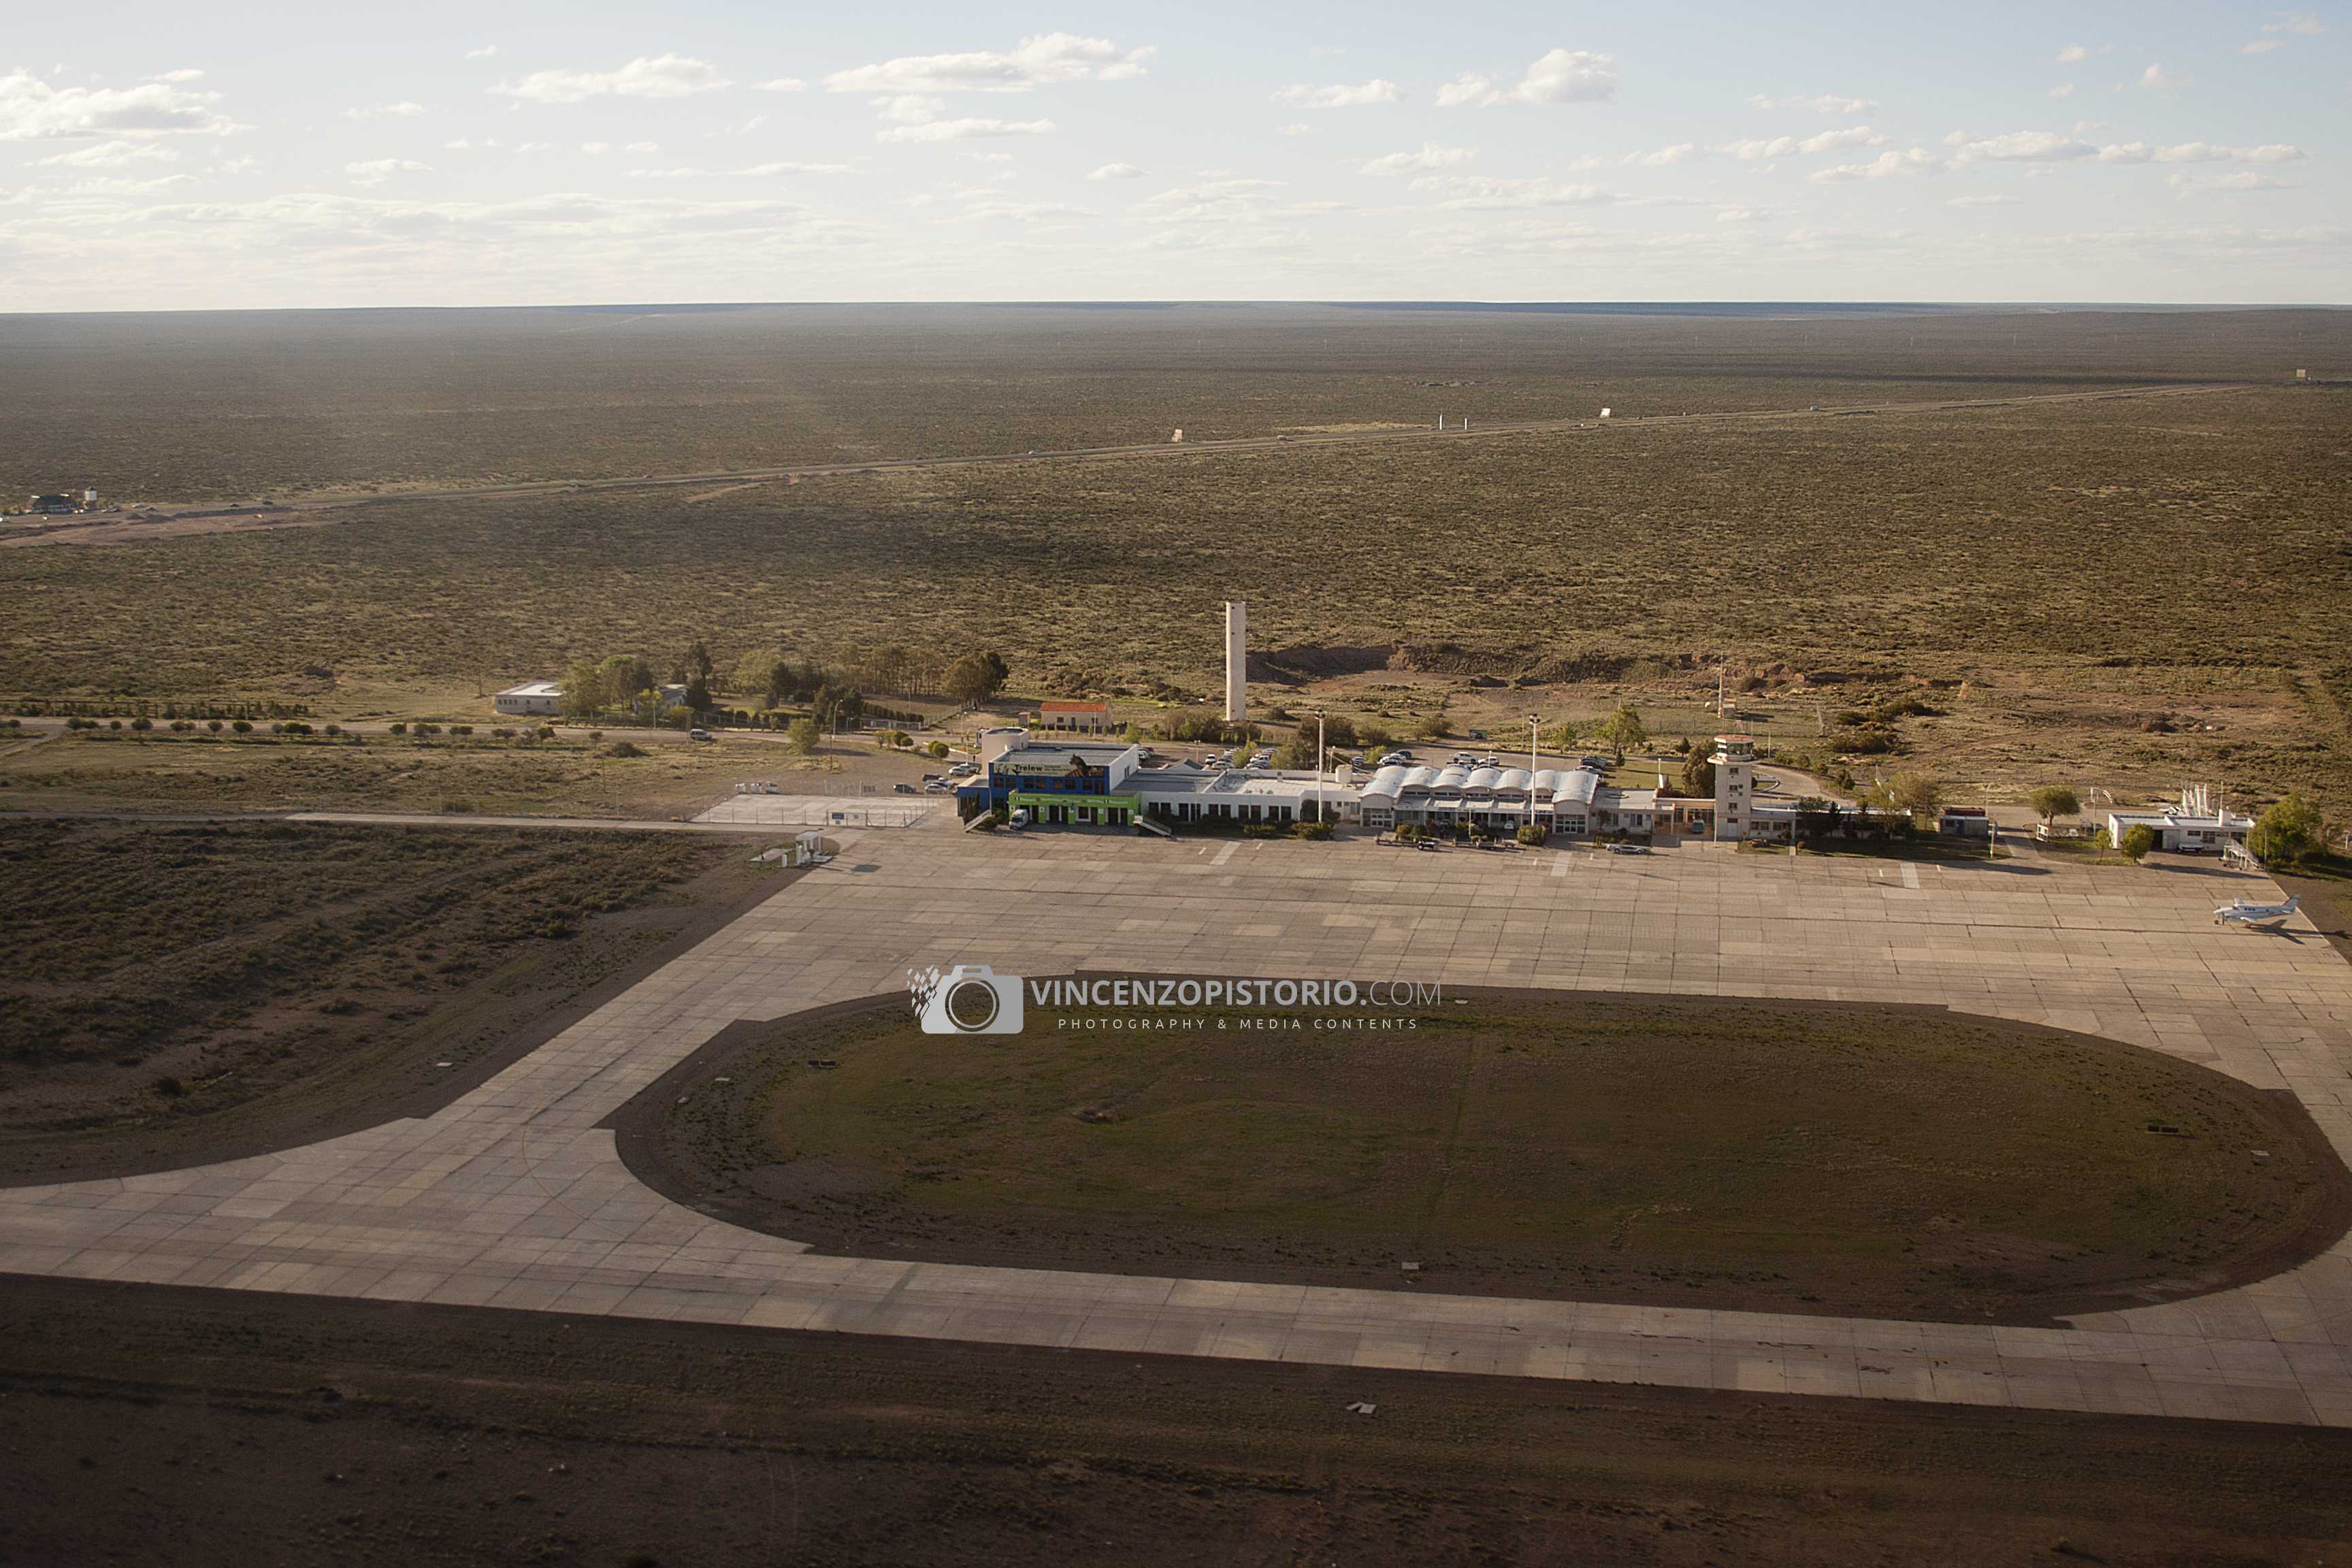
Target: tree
(2055, 800)
(755, 674)
(803, 734)
(1698, 775)
(977, 677)
(838, 707)
(937, 748)
(2139, 839)
(2288, 833)
(622, 679)
(583, 688)
(1915, 794)
(1298, 751)
(1432, 727)
(1622, 733)
(1816, 817)
(1564, 737)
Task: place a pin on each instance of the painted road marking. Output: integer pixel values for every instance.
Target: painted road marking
(1224, 855)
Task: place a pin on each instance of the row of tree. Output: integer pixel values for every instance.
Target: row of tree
(835, 691)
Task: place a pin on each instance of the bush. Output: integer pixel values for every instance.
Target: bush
(1533, 834)
(142, 725)
(241, 726)
(461, 728)
(213, 725)
(2139, 839)
(937, 748)
(334, 729)
(593, 735)
(625, 749)
(458, 807)
(1261, 830)
(397, 729)
(1317, 831)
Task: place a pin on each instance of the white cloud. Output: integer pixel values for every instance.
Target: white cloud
(1431, 156)
(116, 185)
(659, 75)
(1819, 103)
(2265, 46)
(1229, 199)
(643, 147)
(756, 172)
(2200, 153)
(1744, 215)
(2301, 22)
(404, 109)
(1886, 166)
(185, 73)
(912, 108)
(1037, 61)
(115, 155)
(1341, 95)
(1851, 136)
(376, 171)
(2072, 53)
(1294, 129)
(1983, 201)
(484, 53)
(1486, 193)
(781, 84)
(1117, 171)
(2064, 89)
(2158, 80)
(33, 110)
(1562, 75)
(595, 146)
(2243, 180)
(2026, 147)
(1755, 147)
(965, 129)
(1680, 152)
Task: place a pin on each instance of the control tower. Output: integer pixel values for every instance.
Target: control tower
(1735, 786)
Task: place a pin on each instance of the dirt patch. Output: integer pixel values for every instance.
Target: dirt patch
(194, 992)
(1819, 1157)
(298, 1430)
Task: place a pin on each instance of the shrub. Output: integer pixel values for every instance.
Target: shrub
(937, 748)
(399, 729)
(142, 725)
(241, 726)
(625, 749)
(596, 735)
(2139, 839)
(1261, 830)
(1317, 831)
(334, 729)
(457, 806)
(461, 728)
(1533, 834)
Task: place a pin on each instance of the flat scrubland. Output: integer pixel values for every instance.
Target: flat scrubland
(237, 404)
(185, 992)
(1864, 1161)
(571, 776)
(2132, 593)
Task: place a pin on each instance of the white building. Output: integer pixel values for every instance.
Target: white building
(1734, 786)
(2193, 826)
(1569, 801)
(532, 699)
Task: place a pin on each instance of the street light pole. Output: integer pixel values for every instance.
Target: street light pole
(1320, 759)
(1534, 719)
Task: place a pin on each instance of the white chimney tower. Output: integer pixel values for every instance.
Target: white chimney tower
(1237, 660)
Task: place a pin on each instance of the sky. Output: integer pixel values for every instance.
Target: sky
(155, 155)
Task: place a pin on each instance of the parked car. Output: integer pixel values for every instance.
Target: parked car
(1394, 760)
(904, 788)
(699, 735)
(1629, 849)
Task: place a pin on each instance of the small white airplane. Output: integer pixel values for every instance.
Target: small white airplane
(2237, 912)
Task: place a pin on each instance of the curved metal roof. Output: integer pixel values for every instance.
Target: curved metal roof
(1421, 776)
(1483, 778)
(1450, 778)
(1389, 780)
(1513, 779)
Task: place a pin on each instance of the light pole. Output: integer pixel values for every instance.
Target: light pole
(1534, 719)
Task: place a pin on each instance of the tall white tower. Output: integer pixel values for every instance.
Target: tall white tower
(1735, 786)
(1237, 660)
